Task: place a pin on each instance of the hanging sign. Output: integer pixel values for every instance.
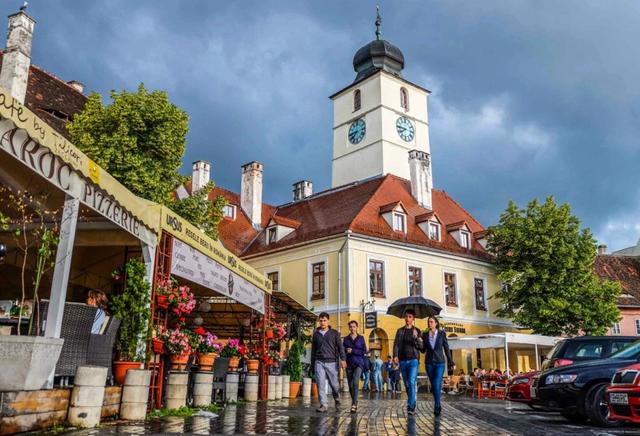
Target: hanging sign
(191, 264)
(371, 320)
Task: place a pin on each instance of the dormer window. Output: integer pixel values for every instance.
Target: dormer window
(434, 231)
(272, 235)
(465, 239)
(357, 100)
(399, 222)
(404, 99)
(229, 211)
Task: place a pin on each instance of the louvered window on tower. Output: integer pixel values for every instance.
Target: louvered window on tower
(356, 100)
(404, 99)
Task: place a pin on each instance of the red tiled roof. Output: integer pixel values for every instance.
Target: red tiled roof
(52, 99)
(356, 207)
(624, 270)
(282, 221)
(391, 206)
(456, 226)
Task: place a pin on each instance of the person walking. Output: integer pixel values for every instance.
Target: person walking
(395, 378)
(377, 372)
(327, 355)
(356, 351)
(406, 351)
(438, 354)
(388, 368)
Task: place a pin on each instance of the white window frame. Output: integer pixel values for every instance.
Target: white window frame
(637, 326)
(464, 235)
(615, 329)
(403, 221)
(232, 207)
(275, 231)
(484, 288)
(413, 265)
(385, 270)
(444, 291)
(438, 227)
(317, 302)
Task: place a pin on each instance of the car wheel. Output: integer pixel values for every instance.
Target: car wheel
(597, 407)
(574, 417)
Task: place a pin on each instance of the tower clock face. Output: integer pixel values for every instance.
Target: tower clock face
(357, 131)
(405, 128)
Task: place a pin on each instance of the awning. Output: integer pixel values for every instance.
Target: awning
(292, 305)
(498, 340)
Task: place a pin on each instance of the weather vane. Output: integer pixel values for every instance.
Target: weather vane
(24, 6)
(378, 22)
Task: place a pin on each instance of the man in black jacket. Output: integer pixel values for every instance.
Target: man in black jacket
(327, 353)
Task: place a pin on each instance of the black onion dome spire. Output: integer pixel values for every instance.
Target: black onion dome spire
(378, 55)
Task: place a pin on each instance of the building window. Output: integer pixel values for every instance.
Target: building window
(450, 292)
(357, 101)
(317, 280)
(229, 211)
(478, 285)
(434, 231)
(415, 281)
(637, 326)
(616, 328)
(404, 99)
(376, 278)
(272, 234)
(465, 239)
(399, 222)
(275, 280)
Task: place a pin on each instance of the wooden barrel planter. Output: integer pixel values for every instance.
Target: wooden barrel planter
(251, 387)
(285, 386)
(87, 396)
(176, 395)
(278, 392)
(135, 395)
(306, 387)
(231, 387)
(271, 391)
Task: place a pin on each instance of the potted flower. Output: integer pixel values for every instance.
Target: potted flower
(131, 307)
(293, 367)
(182, 301)
(207, 349)
(253, 361)
(163, 290)
(177, 341)
(233, 351)
(157, 345)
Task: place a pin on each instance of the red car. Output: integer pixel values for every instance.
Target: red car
(519, 388)
(623, 394)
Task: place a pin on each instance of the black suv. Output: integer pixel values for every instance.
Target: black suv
(584, 348)
(578, 390)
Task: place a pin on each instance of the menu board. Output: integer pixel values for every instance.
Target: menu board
(191, 264)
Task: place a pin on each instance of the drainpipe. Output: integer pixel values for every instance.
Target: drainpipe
(347, 234)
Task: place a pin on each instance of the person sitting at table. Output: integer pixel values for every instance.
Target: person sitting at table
(97, 298)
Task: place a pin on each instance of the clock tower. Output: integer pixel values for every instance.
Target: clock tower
(379, 118)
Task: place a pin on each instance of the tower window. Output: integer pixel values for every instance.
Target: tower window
(357, 103)
(404, 99)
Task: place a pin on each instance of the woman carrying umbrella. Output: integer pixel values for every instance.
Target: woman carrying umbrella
(436, 347)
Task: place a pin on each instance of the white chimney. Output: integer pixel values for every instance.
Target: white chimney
(78, 86)
(201, 175)
(17, 55)
(302, 190)
(602, 249)
(251, 192)
(421, 179)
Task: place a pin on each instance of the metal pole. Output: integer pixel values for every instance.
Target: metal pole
(537, 357)
(506, 352)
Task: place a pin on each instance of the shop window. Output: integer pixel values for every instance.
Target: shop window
(357, 100)
(376, 278)
(318, 281)
(275, 280)
(450, 291)
(415, 281)
(478, 285)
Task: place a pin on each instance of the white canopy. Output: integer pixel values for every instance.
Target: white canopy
(503, 340)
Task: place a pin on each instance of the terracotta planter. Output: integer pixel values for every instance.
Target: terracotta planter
(179, 362)
(233, 363)
(314, 389)
(158, 346)
(253, 365)
(268, 333)
(294, 389)
(206, 360)
(120, 370)
(162, 301)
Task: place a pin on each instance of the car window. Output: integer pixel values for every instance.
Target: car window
(619, 345)
(556, 348)
(631, 352)
(584, 350)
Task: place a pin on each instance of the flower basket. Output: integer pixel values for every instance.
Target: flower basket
(268, 333)
(206, 361)
(233, 363)
(179, 362)
(162, 301)
(157, 345)
(253, 365)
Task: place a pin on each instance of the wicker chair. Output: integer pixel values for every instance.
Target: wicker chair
(101, 346)
(77, 321)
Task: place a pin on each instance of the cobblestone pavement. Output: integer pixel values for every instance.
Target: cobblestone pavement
(378, 414)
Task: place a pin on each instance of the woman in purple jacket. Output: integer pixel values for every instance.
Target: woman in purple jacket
(356, 349)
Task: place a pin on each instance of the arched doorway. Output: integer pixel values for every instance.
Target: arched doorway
(379, 343)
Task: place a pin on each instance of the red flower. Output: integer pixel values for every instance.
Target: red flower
(200, 331)
(183, 319)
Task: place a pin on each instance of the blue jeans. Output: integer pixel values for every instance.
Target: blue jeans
(435, 371)
(409, 371)
(377, 379)
(365, 385)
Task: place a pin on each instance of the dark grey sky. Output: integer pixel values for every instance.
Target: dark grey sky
(529, 99)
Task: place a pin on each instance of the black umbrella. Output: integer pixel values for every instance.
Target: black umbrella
(422, 307)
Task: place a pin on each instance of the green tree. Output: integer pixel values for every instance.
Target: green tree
(545, 262)
(139, 138)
